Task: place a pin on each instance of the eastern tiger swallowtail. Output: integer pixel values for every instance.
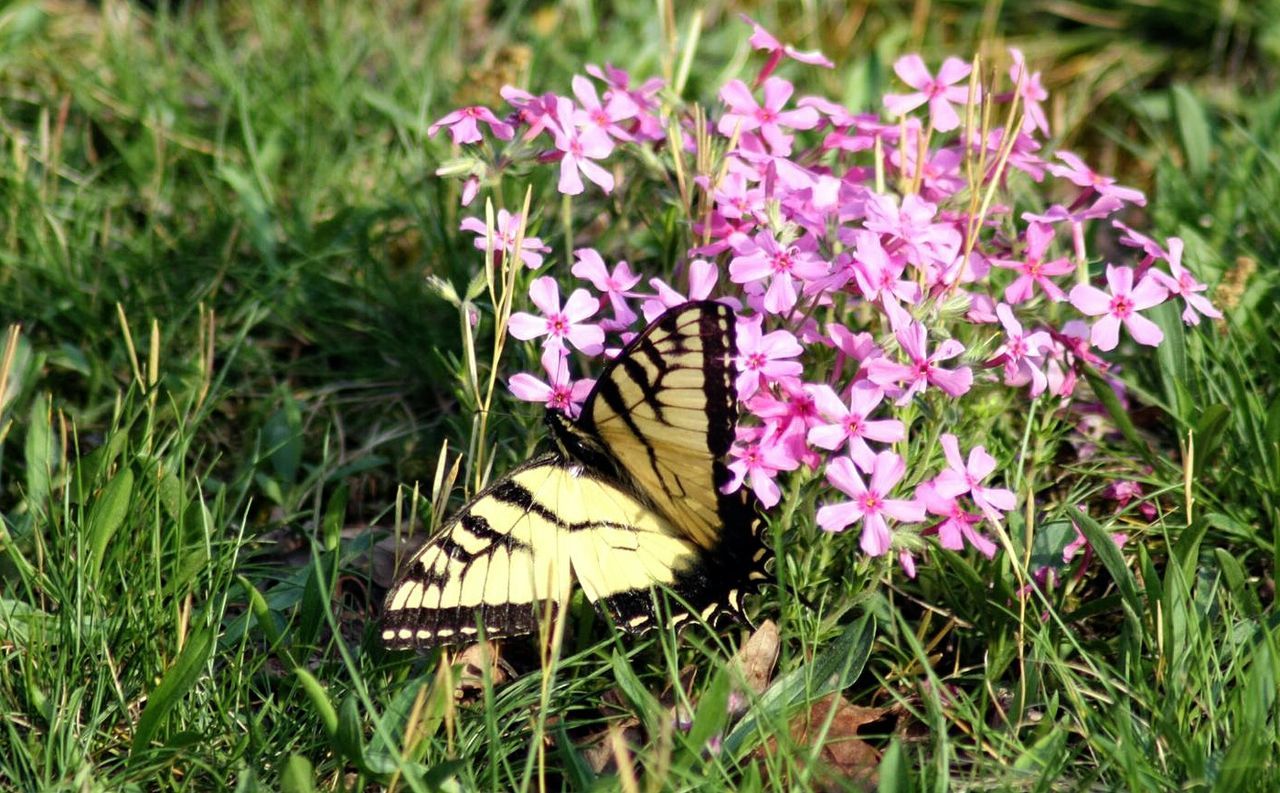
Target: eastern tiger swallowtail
(630, 499)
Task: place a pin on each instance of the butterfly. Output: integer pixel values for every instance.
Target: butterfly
(630, 499)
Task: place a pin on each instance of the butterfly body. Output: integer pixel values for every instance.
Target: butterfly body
(631, 499)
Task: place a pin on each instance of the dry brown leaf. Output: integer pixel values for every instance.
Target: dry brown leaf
(844, 756)
(758, 655)
(471, 676)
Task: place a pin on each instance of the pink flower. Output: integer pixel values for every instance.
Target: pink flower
(1032, 270)
(1076, 172)
(762, 39)
(923, 369)
(581, 145)
(764, 258)
(1027, 84)
(615, 286)
(958, 524)
(506, 229)
(556, 324)
(763, 357)
(648, 125)
(966, 477)
(787, 418)
(870, 502)
(1022, 353)
(535, 112)
(849, 424)
(560, 393)
(605, 117)
(1120, 306)
(747, 115)
(464, 125)
(878, 274)
(1183, 284)
(939, 92)
(759, 462)
(702, 281)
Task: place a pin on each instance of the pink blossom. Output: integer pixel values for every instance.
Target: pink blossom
(580, 145)
(940, 93)
(747, 115)
(878, 274)
(1027, 84)
(870, 502)
(966, 477)
(787, 418)
(759, 462)
(607, 116)
(560, 393)
(1080, 174)
(762, 39)
(958, 524)
(763, 357)
(1123, 491)
(763, 257)
(559, 325)
(927, 244)
(1183, 284)
(648, 126)
(922, 370)
(849, 423)
(506, 230)
(1022, 353)
(1033, 270)
(615, 287)
(703, 276)
(464, 125)
(1120, 306)
(858, 347)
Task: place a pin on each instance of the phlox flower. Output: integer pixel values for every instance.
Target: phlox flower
(535, 112)
(763, 257)
(1120, 306)
(506, 229)
(736, 199)
(756, 460)
(1183, 284)
(1022, 353)
(764, 357)
(762, 39)
(464, 125)
(615, 287)
(928, 245)
(559, 325)
(923, 370)
(939, 92)
(745, 114)
(849, 424)
(559, 392)
(967, 476)
(1080, 174)
(647, 124)
(1027, 83)
(857, 347)
(879, 275)
(1123, 491)
(1033, 270)
(581, 145)
(702, 281)
(870, 503)
(957, 525)
(607, 116)
(787, 418)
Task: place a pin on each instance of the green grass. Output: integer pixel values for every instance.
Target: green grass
(217, 224)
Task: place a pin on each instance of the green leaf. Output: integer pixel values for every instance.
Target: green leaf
(1193, 130)
(191, 663)
(895, 776)
(107, 516)
(282, 438)
(298, 776)
(349, 739)
(1113, 560)
(1102, 389)
(38, 452)
(713, 710)
(319, 700)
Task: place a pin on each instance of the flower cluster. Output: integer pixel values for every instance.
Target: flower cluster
(877, 283)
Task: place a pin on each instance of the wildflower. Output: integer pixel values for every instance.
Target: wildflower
(702, 280)
(506, 230)
(958, 524)
(464, 125)
(967, 476)
(1080, 174)
(762, 357)
(615, 286)
(879, 275)
(1022, 353)
(647, 125)
(762, 39)
(559, 392)
(1033, 270)
(745, 114)
(535, 112)
(581, 145)
(922, 370)
(1027, 84)
(1183, 284)
(939, 92)
(605, 117)
(763, 257)
(559, 325)
(759, 462)
(1120, 306)
(870, 502)
(849, 423)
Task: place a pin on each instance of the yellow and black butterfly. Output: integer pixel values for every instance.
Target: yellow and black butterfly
(629, 500)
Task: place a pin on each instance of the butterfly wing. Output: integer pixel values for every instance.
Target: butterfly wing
(519, 546)
(665, 409)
